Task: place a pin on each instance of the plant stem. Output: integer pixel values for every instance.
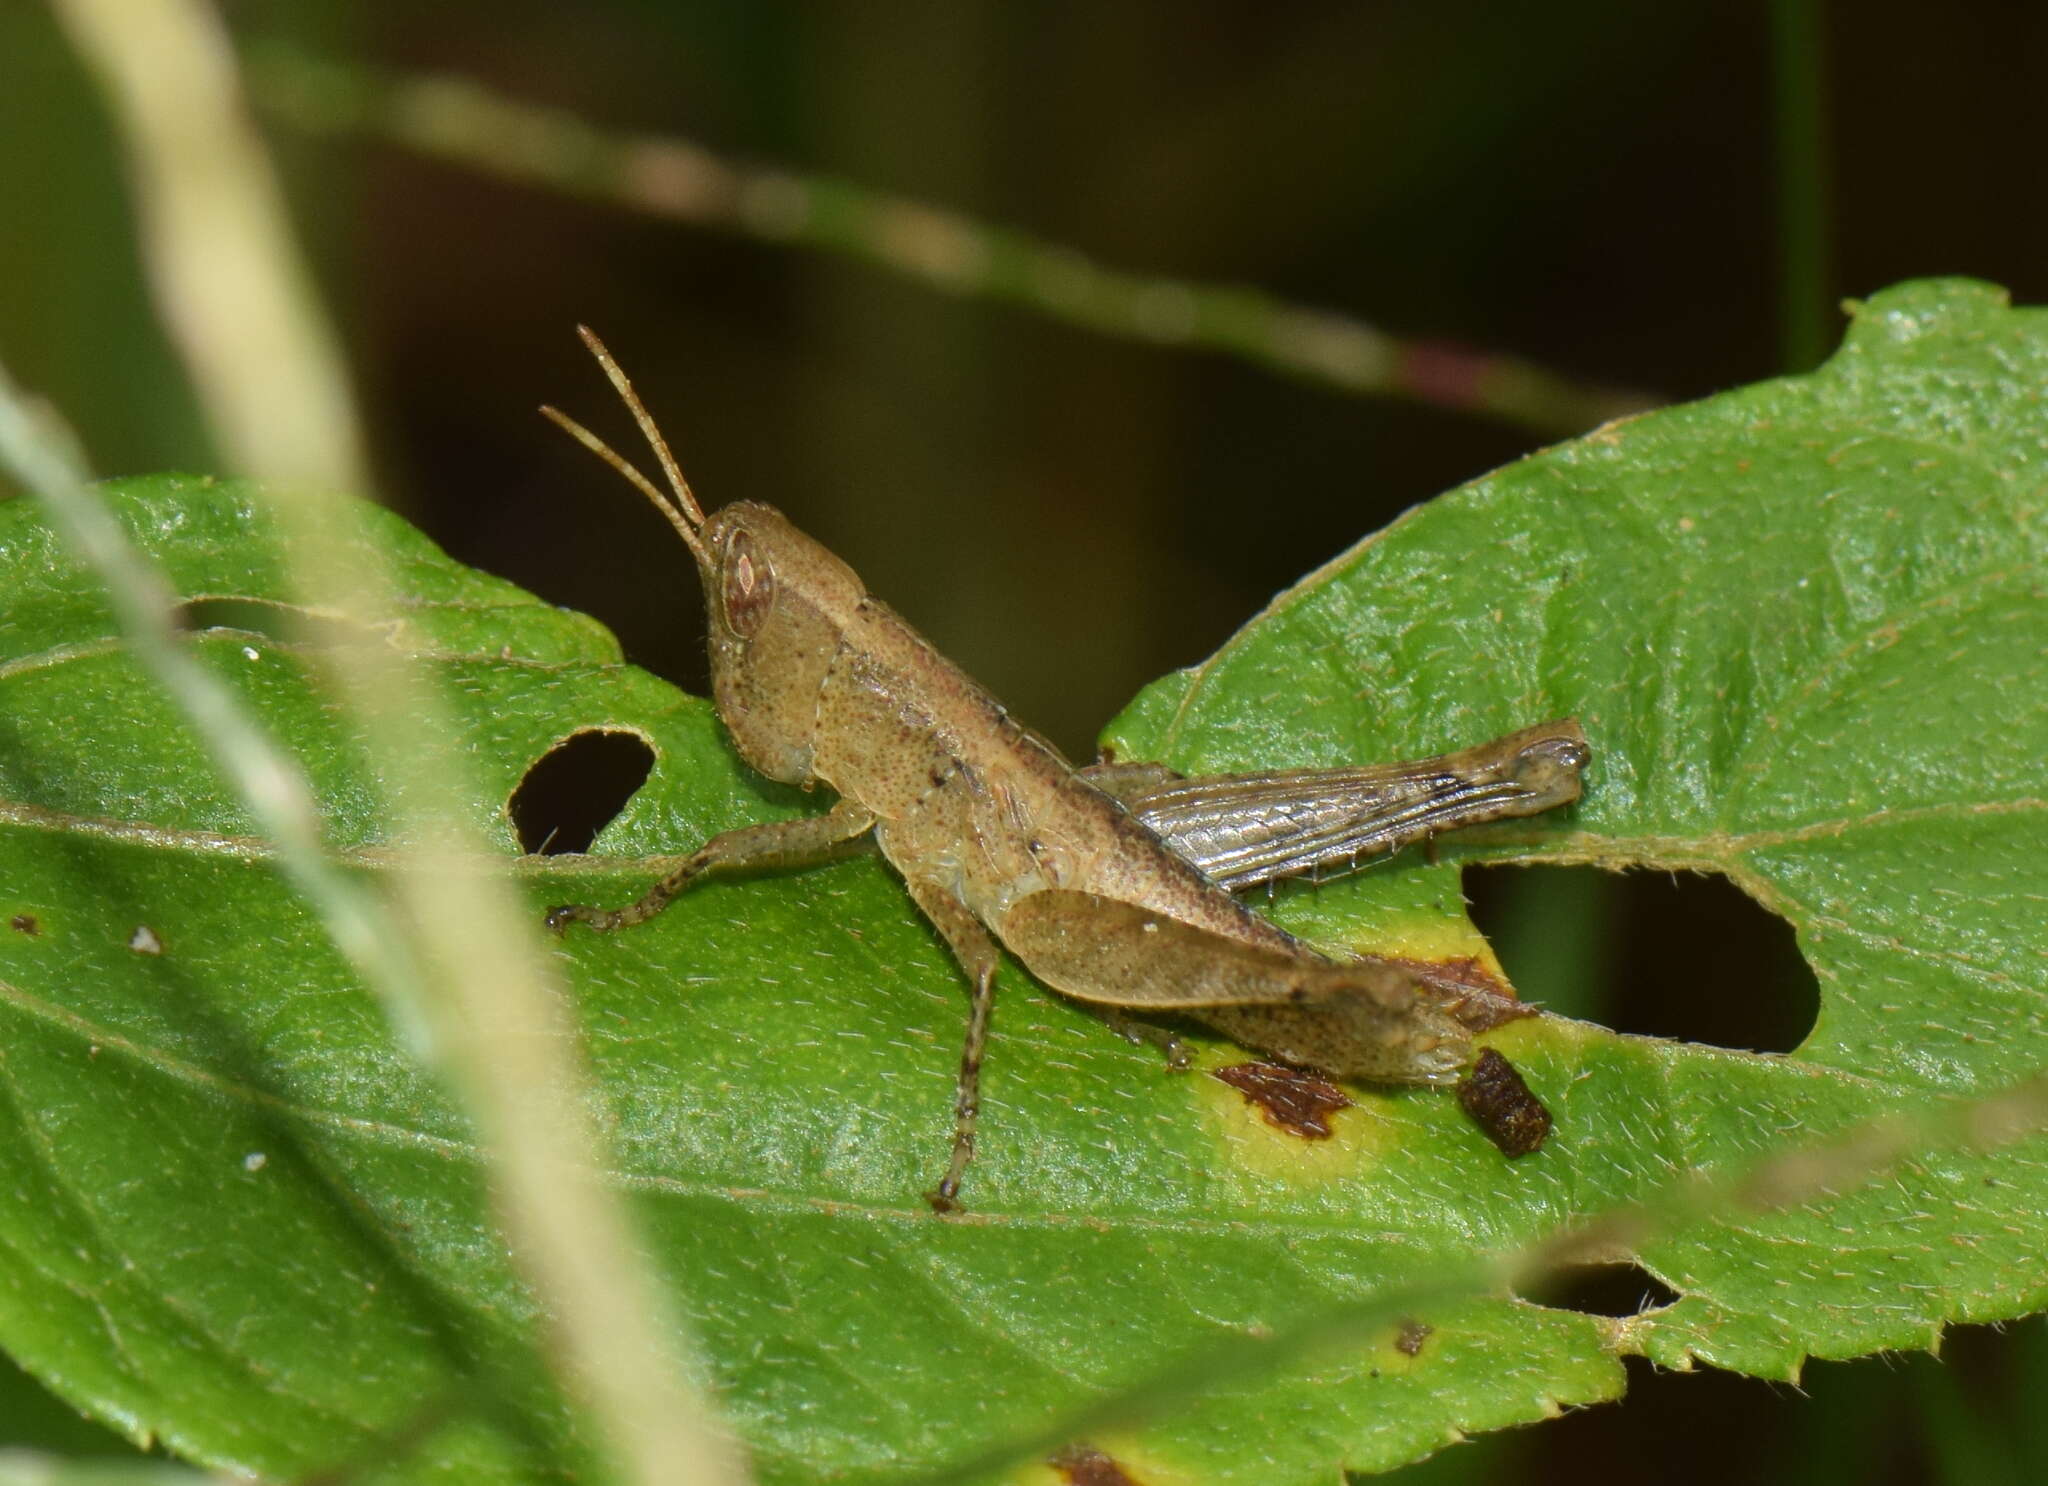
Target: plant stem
(238, 303)
(458, 120)
(1805, 321)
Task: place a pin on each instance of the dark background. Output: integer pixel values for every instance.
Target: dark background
(1621, 192)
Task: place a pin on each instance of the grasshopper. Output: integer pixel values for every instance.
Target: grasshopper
(1113, 884)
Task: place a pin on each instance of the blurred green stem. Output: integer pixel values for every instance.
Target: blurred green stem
(231, 288)
(1799, 78)
(37, 450)
(458, 120)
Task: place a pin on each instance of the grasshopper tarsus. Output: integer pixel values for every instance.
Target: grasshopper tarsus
(1149, 1034)
(656, 898)
(602, 920)
(564, 914)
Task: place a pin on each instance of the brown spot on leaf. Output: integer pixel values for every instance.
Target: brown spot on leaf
(25, 923)
(1409, 1339)
(1084, 1465)
(1464, 973)
(1502, 1106)
(1291, 1100)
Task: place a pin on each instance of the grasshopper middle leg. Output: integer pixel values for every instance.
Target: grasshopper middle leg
(781, 843)
(976, 952)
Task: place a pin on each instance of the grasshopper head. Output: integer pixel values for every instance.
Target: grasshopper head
(778, 601)
(779, 604)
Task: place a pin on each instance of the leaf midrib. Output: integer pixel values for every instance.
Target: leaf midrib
(90, 1034)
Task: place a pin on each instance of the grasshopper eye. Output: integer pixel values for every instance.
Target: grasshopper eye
(747, 588)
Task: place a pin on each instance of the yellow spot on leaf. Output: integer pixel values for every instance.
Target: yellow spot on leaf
(1109, 1455)
(1360, 1137)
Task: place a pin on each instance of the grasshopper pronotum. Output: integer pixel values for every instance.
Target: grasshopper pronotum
(1112, 884)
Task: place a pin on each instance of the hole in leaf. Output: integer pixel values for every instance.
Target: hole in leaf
(1618, 1289)
(576, 789)
(1678, 955)
(1878, 1421)
(286, 623)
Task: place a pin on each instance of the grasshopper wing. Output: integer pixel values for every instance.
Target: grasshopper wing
(1244, 829)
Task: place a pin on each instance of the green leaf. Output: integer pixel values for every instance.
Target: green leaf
(1802, 624)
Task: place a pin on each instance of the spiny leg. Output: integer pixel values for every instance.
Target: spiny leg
(976, 952)
(781, 843)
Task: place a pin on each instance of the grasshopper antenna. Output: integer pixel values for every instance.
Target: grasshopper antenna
(682, 511)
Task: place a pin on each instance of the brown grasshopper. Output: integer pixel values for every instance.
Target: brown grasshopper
(1113, 884)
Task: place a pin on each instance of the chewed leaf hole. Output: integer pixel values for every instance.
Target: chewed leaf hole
(1660, 954)
(1618, 1289)
(576, 789)
(286, 623)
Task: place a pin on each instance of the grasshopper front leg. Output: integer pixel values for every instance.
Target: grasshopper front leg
(781, 843)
